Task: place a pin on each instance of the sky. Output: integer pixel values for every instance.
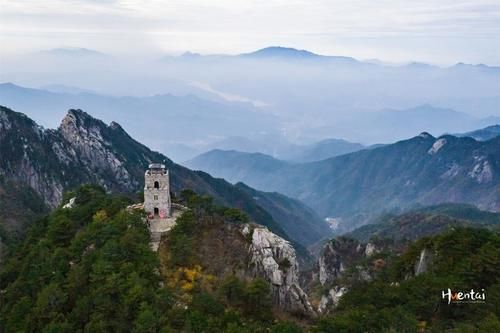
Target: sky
(440, 31)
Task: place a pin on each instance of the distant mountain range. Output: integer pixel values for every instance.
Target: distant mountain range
(281, 149)
(290, 54)
(186, 126)
(279, 51)
(86, 150)
(73, 52)
(292, 80)
(212, 120)
(309, 96)
(423, 170)
(160, 121)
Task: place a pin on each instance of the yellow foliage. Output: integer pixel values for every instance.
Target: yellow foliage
(100, 216)
(187, 278)
(191, 274)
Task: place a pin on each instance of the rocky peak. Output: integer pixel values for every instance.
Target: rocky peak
(78, 121)
(46, 159)
(89, 140)
(116, 127)
(425, 135)
(80, 116)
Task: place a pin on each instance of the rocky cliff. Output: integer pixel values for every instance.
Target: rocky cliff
(81, 150)
(274, 259)
(344, 262)
(222, 246)
(93, 144)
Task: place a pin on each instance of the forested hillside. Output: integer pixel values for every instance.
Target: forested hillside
(404, 293)
(427, 221)
(90, 269)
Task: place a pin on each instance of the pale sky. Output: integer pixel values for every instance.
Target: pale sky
(440, 31)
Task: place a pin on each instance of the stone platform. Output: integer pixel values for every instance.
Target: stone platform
(159, 226)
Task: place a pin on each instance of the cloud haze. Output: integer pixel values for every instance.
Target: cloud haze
(444, 32)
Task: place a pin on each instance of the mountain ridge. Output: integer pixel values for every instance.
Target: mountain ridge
(426, 221)
(86, 150)
(421, 170)
(290, 53)
(483, 134)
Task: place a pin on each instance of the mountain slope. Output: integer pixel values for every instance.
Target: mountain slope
(235, 166)
(290, 210)
(19, 207)
(86, 150)
(322, 150)
(483, 134)
(405, 290)
(422, 170)
(428, 221)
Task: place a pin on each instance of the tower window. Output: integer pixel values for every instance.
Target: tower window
(157, 185)
(156, 197)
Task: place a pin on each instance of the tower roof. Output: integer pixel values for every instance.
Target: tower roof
(157, 166)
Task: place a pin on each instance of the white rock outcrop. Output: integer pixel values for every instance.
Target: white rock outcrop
(424, 261)
(482, 171)
(370, 249)
(452, 171)
(436, 146)
(70, 204)
(331, 300)
(274, 259)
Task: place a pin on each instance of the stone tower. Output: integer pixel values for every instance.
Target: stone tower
(157, 191)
